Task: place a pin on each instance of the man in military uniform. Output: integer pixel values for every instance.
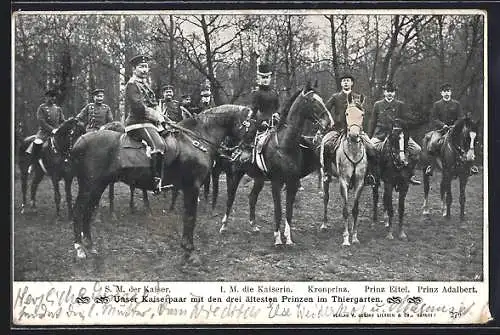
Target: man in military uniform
(187, 107)
(206, 101)
(169, 106)
(385, 111)
(95, 114)
(49, 117)
(337, 105)
(444, 113)
(144, 117)
(265, 100)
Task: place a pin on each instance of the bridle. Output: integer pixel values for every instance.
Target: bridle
(396, 158)
(354, 121)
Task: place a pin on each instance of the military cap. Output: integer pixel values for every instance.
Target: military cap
(445, 87)
(134, 61)
(264, 69)
(186, 96)
(167, 87)
(389, 87)
(50, 93)
(346, 75)
(97, 91)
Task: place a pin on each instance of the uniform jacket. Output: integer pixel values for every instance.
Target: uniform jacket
(337, 105)
(95, 115)
(265, 102)
(49, 118)
(141, 102)
(445, 112)
(383, 116)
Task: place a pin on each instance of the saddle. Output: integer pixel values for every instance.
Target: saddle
(260, 143)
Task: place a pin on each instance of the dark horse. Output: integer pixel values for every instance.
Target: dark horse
(286, 161)
(189, 159)
(55, 155)
(456, 156)
(119, 127)
(395, 172)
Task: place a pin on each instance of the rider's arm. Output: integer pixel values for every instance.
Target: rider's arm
(42, 121)
(373, 119)
(135, 99)
(109, 115)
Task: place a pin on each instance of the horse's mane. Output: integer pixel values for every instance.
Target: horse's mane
(285, 109)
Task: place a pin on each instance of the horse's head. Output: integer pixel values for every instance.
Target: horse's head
(310, 101)
(67, 134)
(397, 142)
(354, 120)
(464, 138)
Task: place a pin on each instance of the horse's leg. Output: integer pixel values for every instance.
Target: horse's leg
(358, 188)
(425, 206)
(215, 187)
(233, 180)
(401, 211)
(111, 198)
(291, 191)
(446, 194)
(132, 207)
(69, 198)
(147, 205)
(326, 199)
(189, 220)
(206, 187)
(375, 201)
(388, 209)
(463, 182)
(343, 185)
(175, 193)
(258, 184)
(23, 167)
(37, 178)
(276, 191)
(57, 196)
(79, 215)
(92, 205)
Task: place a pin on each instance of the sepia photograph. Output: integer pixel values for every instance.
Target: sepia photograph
(205, 147)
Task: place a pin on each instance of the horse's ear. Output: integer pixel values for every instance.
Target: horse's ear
(308, 86)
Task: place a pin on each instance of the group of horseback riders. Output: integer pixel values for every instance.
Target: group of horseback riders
(148, 117)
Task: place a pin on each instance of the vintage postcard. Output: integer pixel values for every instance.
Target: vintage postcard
(291, 167)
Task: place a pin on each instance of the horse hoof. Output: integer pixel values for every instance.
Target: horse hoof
(80, 254)
(223, 230)
(194, 259)
(323, 227)
(390, 237)
(426, 212)
(403, 237)
(346, 244)
(255, 229)
(355, 241)
(290, 243)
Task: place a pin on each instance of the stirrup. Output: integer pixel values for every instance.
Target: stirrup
(370, 180)
(474, 169)
(428, 170)
(157, 188)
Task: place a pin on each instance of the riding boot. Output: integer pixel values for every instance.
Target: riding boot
(413, 179)
(156, 164)
(371, 170)
(474, 170)
(36, 155)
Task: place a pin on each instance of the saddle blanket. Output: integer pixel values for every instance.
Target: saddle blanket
(138, 154)
(258, 156)
(132, 153)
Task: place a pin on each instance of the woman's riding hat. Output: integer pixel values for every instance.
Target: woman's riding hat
(134, 61)
(264, 69)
